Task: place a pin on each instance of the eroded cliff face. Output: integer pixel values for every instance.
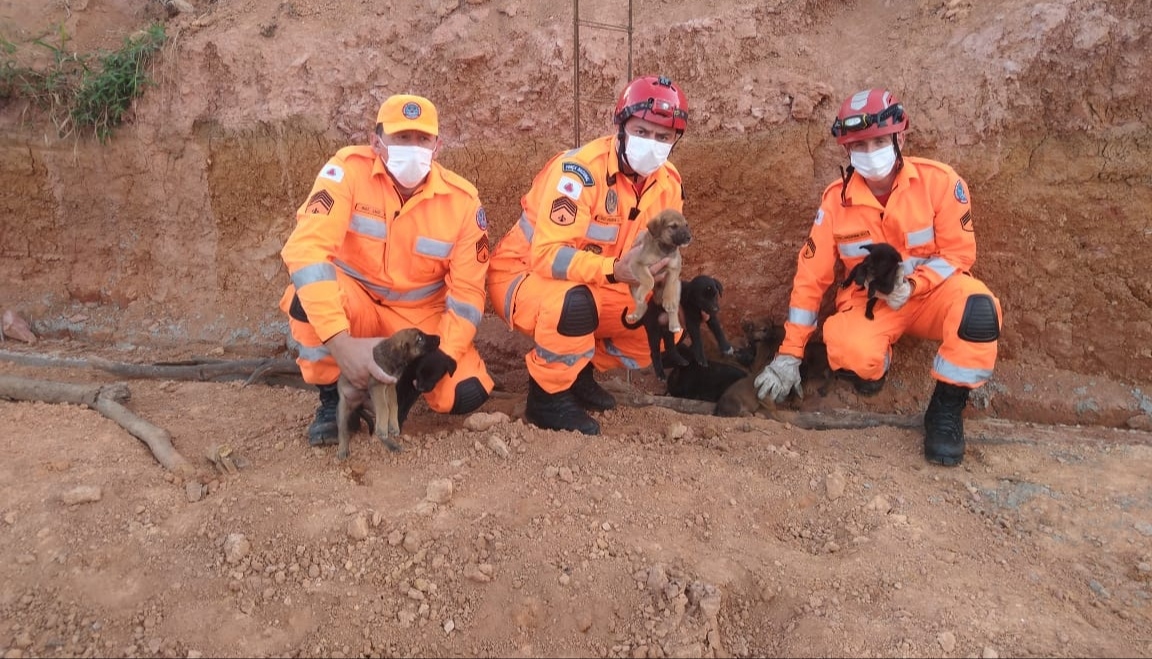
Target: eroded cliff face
(171, 232)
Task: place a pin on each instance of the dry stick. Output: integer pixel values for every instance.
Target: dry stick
(251, 370)
(104, 399)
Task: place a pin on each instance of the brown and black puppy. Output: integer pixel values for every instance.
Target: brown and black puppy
(394, 355)
(667, 233)
(880, 271)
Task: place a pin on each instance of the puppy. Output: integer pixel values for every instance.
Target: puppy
(700, 298)
(741, 399)
(880, 271)
(667, 233)
(697, 382)
(661, 340)
(394, 355)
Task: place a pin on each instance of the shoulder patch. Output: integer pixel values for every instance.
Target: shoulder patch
(569, 187)
(332, 172)
(563, 211)
(809, 248)
(819, 217)
(482, 219)
(961, 193)
(578, 170)
(966, 222)
(320, 204)
(482, 249)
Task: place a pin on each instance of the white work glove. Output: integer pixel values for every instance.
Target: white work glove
(779, 378)
(899, 295)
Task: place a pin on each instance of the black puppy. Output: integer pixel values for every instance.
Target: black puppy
(697, 382)
(700, 297)
(710, 382)
(880, 271)
(661, 341)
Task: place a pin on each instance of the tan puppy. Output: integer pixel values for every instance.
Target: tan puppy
(667, 233)
(393, 354)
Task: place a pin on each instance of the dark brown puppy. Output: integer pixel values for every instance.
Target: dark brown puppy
(393, 354)
(667, 233)
(879, 272)
(741, 399)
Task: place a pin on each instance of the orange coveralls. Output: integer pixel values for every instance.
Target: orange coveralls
(362, 261)
(928, 218)
(579, 216)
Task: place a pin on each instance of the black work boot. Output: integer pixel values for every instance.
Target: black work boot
(323, 428)
(589, 392)
(558, 411)
(944, 425)
(864, 387)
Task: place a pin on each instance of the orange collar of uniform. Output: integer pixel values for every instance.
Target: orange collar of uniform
(432, 185)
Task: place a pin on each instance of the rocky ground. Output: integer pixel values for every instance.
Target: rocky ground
(671, 535)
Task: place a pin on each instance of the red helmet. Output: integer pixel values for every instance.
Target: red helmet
(867, 114)
(655, 99)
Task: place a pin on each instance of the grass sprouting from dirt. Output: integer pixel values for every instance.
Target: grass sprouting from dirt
(81, 92)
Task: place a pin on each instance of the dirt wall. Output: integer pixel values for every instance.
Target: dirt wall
(171, 232)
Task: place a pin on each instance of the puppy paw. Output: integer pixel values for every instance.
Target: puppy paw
(385, 436)
(342, 455)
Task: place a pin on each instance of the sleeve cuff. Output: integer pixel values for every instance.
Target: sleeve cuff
(609, 267)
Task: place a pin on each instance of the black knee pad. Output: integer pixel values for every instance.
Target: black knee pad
(578, 316)
(470, 394)
(296, 310)
(979, 324)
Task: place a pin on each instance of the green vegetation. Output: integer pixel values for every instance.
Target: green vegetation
(81, 92)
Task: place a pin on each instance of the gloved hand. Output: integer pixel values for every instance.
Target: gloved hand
(431, 368)
(899, 295)
(779, 378)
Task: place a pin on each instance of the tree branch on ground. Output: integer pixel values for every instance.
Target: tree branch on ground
(107, 400)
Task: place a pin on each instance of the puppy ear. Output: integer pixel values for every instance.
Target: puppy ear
(719, 287)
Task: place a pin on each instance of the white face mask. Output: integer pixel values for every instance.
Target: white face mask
(874, 165)
(409, 164)
(644, 155)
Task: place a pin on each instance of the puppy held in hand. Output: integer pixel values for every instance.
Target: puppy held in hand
(394, 354)
(700, 302)
(879, 272)
(667, 233)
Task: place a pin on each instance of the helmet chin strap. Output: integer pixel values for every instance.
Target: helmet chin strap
(621, 158)
(899, 156)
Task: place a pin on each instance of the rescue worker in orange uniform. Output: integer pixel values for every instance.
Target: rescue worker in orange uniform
(388, 239)
(561, 273)
(923, 208)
